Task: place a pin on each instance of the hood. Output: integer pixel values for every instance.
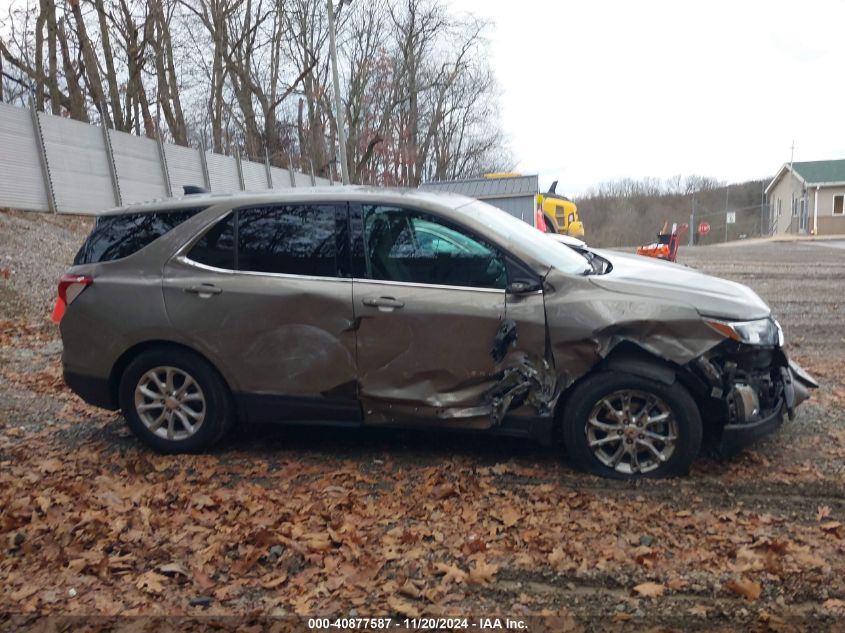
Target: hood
(650, 277)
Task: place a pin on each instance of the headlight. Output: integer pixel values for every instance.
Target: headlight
(760, 332)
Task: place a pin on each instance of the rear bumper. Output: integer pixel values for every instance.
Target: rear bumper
(93, 390)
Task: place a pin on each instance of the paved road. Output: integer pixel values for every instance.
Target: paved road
(830, 243)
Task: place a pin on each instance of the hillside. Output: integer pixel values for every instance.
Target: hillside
(629, 213)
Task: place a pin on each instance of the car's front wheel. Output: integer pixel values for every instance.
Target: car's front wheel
(623, 426)
(175, 401)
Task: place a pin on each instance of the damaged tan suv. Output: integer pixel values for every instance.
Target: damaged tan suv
(358, 306)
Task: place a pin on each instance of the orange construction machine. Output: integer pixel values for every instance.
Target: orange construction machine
(666, 246)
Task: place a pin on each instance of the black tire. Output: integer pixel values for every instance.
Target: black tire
(587, 398)
(217, 408)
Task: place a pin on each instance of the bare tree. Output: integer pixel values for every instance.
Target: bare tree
(252, 76)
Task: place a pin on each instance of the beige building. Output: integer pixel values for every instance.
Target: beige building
(807, 196)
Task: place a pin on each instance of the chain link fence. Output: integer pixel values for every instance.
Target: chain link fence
(712, 226)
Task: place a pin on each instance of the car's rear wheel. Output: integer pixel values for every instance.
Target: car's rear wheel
(175, 401)
(623, 426)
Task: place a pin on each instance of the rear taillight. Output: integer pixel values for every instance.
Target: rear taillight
(70, 286)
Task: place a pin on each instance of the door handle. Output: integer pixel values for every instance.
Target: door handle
(204, 290)
(384, 304)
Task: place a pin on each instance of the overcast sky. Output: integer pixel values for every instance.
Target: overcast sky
(599, 89)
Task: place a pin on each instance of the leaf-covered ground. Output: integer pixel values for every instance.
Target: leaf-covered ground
(365, 523)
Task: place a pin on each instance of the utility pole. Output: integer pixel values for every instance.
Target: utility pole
(692, 222)
(727, 189)
(762, 207)
(341, 125)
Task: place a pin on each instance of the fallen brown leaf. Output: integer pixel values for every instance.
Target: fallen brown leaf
(483, 573)
(151, 582)
(403, 607)
(274, 582)
(202, 579)
(24, 592)
(508, 515)
(677, 584)
(443, 491)
(451, 573)
(808, 559)
(202, 501)
(174, 568)
(834, 604)
(650, 590)
(410, 590)
(51, 465)
(748, 589)
(560, 560)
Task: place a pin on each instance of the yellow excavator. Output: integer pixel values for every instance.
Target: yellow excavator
(554, 213)
(562, 211)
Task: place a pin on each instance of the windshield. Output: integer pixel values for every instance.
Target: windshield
(512, 230)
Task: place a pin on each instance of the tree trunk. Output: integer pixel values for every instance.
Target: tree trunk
(111, 75)
(52, 58)
(95, 84)
(76, 97)
(39, 56)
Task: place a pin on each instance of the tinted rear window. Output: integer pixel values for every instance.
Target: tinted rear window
(289, 239)
(217, 247)
(118, 236)
(292, 239)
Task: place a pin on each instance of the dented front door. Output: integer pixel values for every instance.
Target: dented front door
(428, 299)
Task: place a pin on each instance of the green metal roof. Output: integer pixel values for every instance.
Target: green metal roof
(820, 171)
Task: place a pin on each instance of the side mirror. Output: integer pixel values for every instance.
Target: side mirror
(523, 285)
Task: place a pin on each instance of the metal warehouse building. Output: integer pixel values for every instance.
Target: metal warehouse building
(514, 194)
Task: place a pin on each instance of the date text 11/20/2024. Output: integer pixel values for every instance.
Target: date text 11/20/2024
(416, 624)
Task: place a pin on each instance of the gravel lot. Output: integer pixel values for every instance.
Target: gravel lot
(35, 249)
(558, 543)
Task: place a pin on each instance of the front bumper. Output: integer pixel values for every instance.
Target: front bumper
(802, 382)
(739, 434)
(735, 437)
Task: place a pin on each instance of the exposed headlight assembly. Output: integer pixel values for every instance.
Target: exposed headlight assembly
(760, 332)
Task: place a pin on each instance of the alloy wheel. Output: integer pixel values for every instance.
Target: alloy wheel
(170, 403)
(632, 431)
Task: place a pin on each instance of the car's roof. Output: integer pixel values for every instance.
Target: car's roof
(383, 195)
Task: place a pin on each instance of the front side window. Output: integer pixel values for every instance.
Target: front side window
(118, 236)
(409, 246)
